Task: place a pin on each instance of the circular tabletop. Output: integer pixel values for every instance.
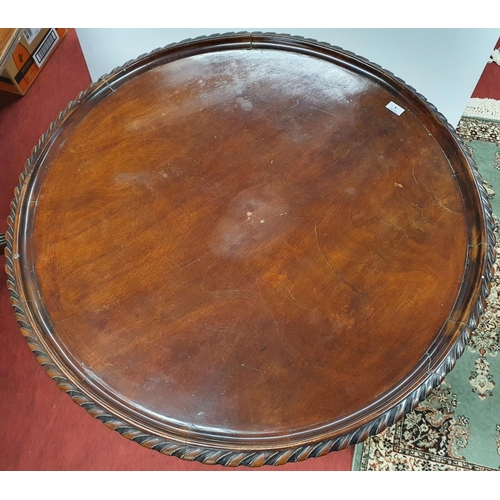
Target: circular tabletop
(249, 249)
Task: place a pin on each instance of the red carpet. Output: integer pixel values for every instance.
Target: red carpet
(487, 86)
(41, 428)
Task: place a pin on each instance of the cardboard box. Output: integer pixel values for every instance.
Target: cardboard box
(23, 53)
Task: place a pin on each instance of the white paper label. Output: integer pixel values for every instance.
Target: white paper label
(30, 34)
(398, 110)
(45, 48)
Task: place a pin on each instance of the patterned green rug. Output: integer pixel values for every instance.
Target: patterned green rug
(458, 426)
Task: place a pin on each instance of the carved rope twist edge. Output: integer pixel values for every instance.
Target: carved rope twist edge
(225, 457)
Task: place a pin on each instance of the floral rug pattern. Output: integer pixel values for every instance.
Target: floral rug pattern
(458, 426)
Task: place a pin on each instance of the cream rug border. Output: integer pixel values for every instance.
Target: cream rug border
(487, 109)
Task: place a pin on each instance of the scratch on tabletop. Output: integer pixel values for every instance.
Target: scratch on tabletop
(394, 227)
(251, 368)
(431, 191)
(290, 296)
(350, 285)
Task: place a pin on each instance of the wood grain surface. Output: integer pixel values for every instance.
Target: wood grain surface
(245, 250)
(7, 39)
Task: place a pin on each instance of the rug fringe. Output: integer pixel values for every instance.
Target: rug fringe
(483, 108)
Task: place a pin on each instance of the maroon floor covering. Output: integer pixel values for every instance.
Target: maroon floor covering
(40, 427)
(488, 86)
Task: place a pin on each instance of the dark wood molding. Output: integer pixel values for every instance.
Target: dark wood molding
(480, 255)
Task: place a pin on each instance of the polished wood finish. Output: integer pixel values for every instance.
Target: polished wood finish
(231, 250)
(8, 37)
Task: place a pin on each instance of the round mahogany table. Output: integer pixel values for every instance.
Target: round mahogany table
(249, 249)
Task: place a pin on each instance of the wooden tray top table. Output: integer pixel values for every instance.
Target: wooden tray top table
(249, 249)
